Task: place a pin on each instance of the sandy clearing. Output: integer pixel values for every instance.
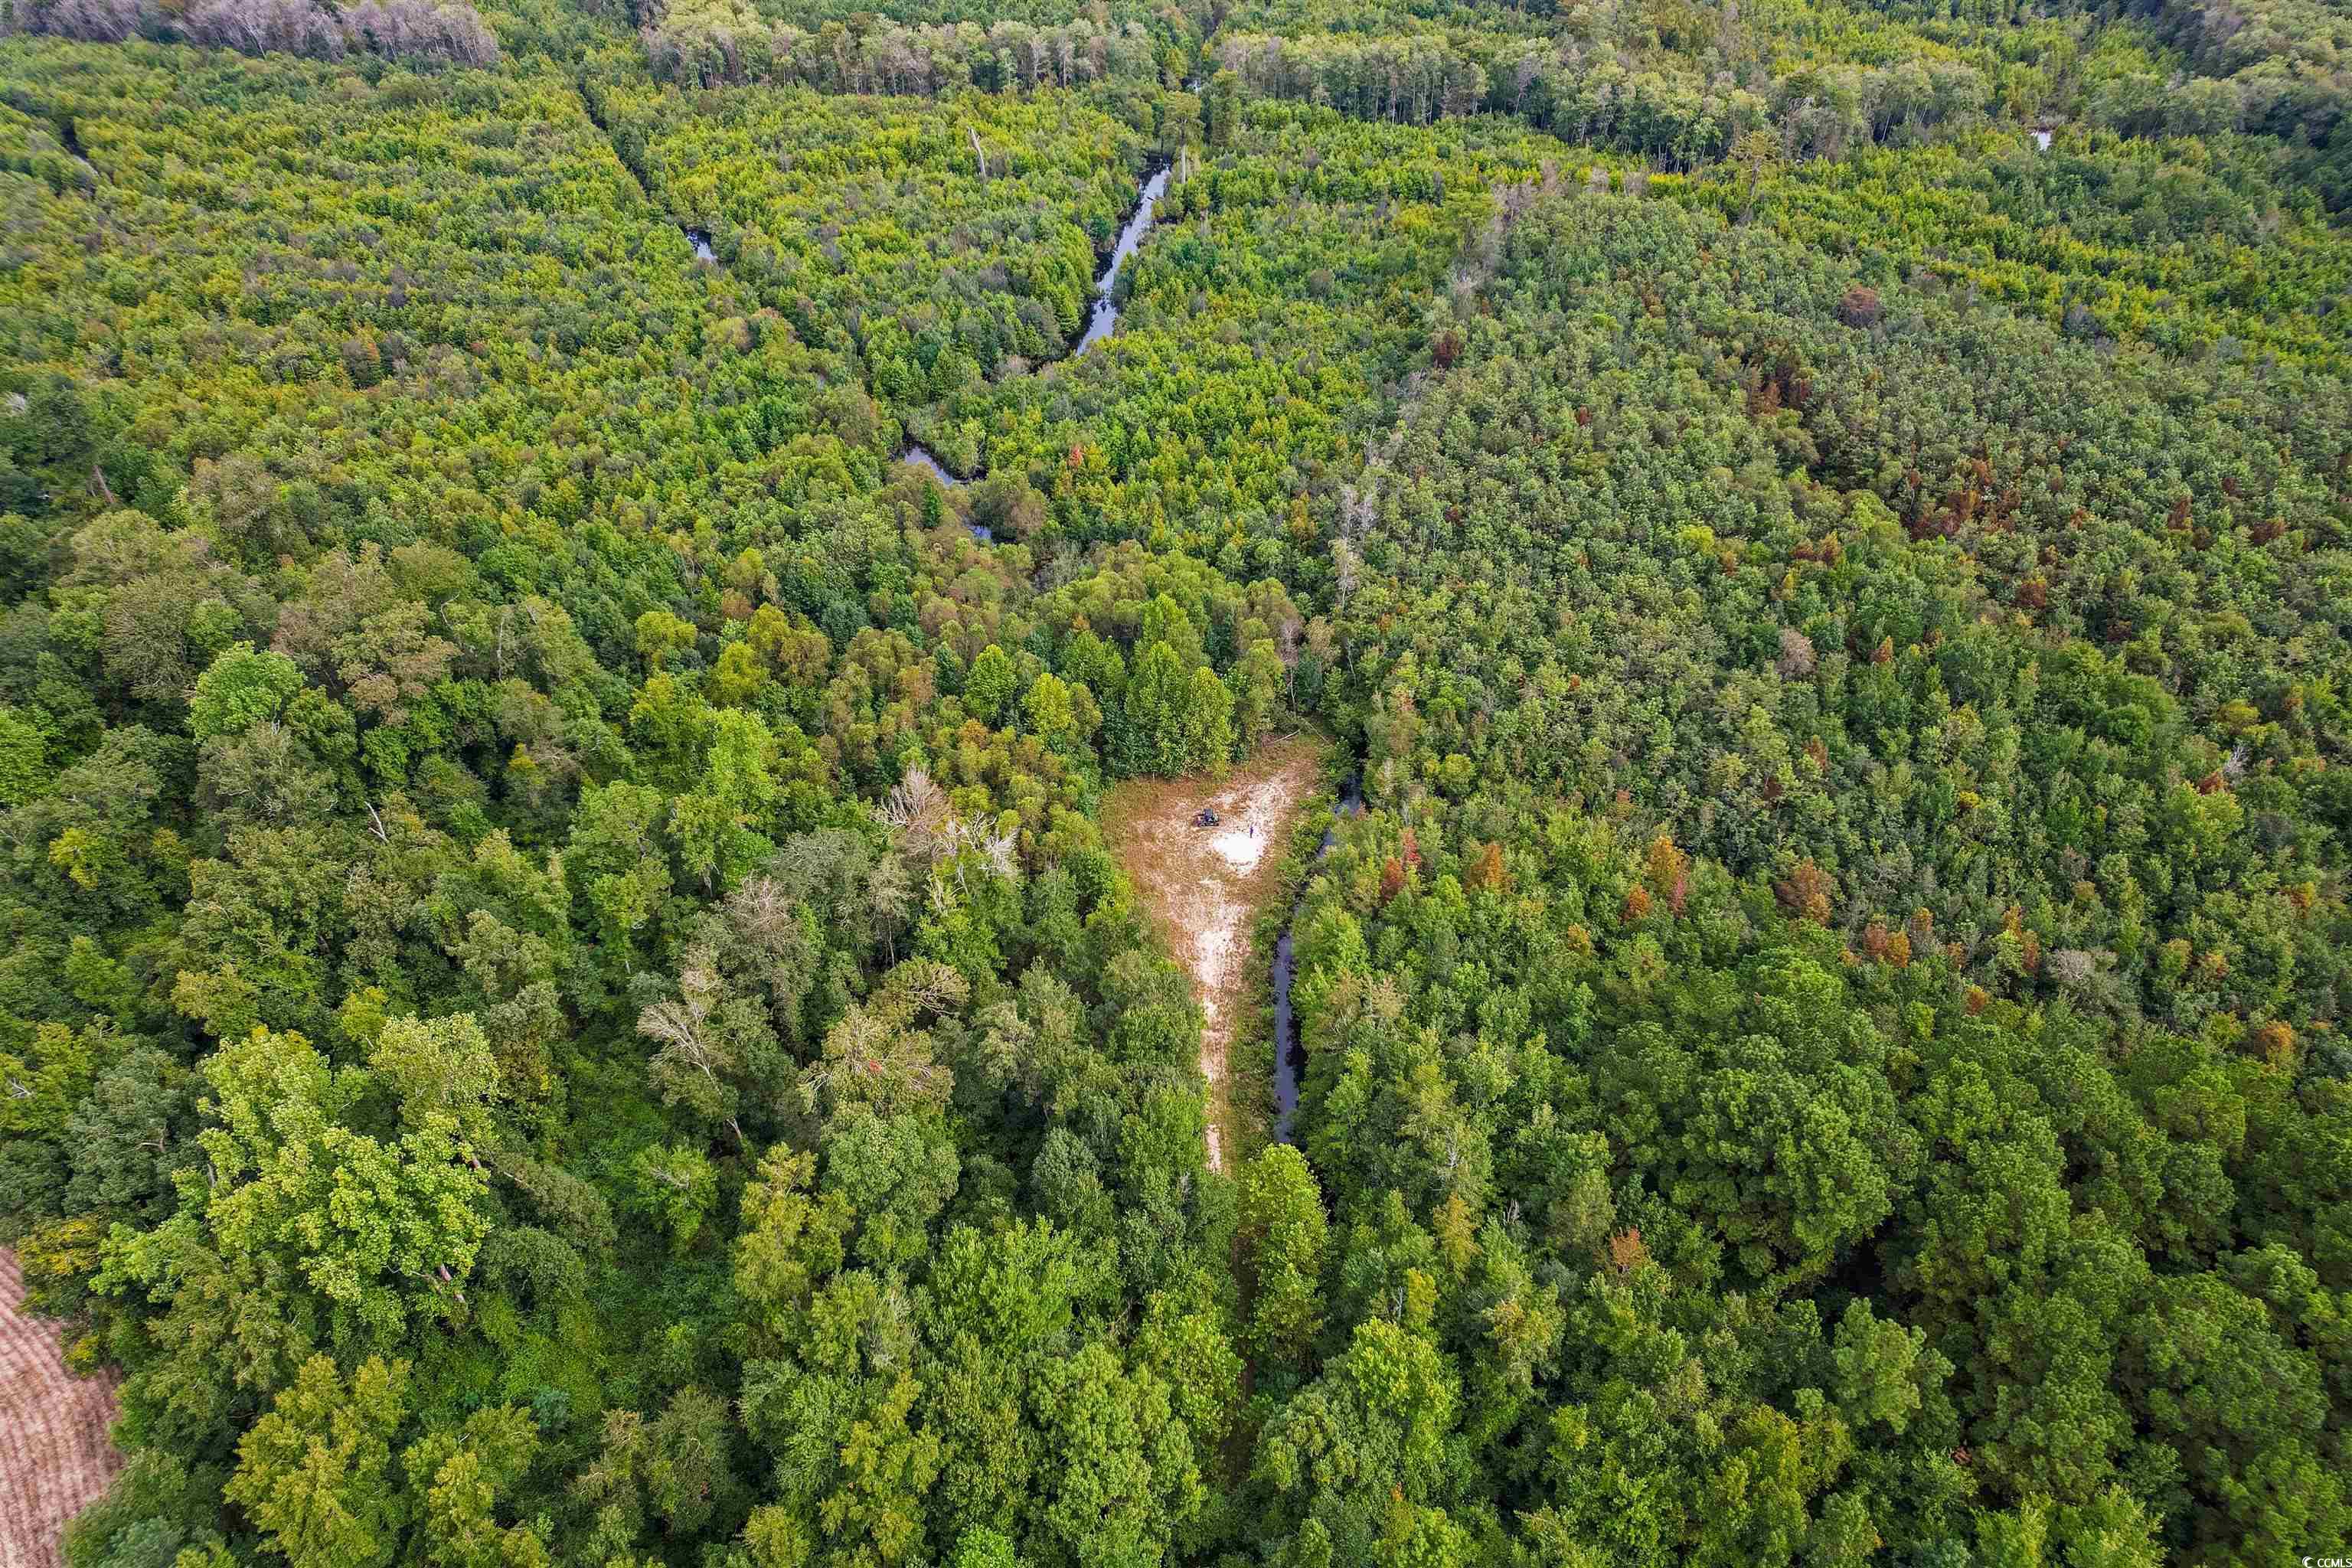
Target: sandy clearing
(1204, 886)
(55, 1456)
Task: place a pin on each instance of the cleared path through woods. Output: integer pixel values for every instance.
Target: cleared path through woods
(53, 1453)
(1205, 886)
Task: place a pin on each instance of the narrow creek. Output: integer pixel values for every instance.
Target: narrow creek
(1100, 323)
(1105, 320)
(1289, 1055)
(70, 137)
(916, 453)
(921, 456)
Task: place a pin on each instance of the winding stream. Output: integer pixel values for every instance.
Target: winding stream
(1289, 1057)
(921, 456)
(1101, 324)
(1105, 320)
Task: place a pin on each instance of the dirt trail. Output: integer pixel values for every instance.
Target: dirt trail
(53, 1453)
(1204, 886)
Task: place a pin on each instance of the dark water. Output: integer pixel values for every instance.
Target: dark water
(1105, 320)
(1100, 325)
(1289, 1057)
(921, 456)
(1289, 1061)
(700, 240)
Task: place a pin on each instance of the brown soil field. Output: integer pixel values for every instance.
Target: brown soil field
(55, 1456)
(1204, 886)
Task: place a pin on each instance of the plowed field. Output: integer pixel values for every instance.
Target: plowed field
(53, 1453)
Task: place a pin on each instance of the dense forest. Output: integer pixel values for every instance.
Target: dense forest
(567, 1000)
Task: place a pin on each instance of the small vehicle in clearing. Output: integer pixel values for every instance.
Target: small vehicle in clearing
(1206, 819)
